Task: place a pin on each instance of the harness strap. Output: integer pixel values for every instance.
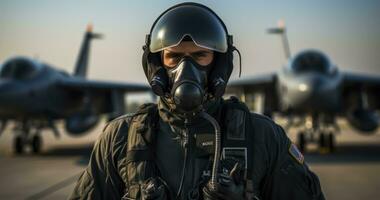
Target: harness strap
(140, 159)
(239, 138)
(230, 139)
(139, 156)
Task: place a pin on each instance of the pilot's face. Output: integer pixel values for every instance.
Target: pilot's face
(173, 55)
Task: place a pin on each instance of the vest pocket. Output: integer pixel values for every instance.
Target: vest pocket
(135, 174)
(133, 192)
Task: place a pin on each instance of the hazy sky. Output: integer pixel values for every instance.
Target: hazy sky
(347, 30)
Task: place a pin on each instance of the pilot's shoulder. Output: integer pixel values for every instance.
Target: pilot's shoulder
(121, 120)
(118, 123)
(116, 129)
(265, 129)
(262, 120)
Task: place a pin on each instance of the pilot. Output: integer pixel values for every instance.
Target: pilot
(194, 144)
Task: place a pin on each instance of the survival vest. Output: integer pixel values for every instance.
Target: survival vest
(140, 164)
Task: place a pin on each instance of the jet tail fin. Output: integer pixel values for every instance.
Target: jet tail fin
(281, 30)
(83, 57)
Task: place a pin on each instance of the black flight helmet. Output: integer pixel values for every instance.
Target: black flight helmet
(198, 22)
(205, 28)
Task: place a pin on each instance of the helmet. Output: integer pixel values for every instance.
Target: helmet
(198, 22)
(205, 29)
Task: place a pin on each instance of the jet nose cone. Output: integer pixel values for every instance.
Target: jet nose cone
(13, 98)
(312, 86)
(2, 86)
(312, 91)
(305, 91)
(5, 89)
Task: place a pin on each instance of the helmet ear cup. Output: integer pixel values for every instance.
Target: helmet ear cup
(154, 72)
(220, 73)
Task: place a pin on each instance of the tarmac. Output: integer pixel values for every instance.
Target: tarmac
(351, 173)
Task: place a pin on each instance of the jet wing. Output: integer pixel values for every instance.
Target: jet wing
(253, 84)
(264, 84)
(368, 85)
(102, 96)
(93, 85)
(368, 80)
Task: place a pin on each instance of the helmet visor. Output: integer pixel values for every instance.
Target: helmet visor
(204, 28)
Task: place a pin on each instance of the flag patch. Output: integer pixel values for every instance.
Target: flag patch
(296, 154)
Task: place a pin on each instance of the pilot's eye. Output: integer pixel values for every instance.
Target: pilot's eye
(203, 58)
(198, 55)
(171, 59)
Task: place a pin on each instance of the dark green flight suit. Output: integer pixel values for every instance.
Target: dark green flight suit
(276, 172)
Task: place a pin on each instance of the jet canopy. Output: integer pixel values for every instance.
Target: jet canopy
(19, 69)
(311, 61)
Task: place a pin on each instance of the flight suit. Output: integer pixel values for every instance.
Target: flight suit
(278, 169)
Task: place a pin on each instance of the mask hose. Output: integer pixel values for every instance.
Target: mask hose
(217, 147)
(186, 146)
(237, 50)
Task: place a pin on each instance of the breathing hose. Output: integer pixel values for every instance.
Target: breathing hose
(215, 165)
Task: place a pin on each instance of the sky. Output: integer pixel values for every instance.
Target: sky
(347, 31)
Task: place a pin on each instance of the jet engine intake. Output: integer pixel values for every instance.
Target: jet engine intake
(80, 123)
(364, 120)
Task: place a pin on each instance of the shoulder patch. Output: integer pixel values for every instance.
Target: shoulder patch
(296, 154)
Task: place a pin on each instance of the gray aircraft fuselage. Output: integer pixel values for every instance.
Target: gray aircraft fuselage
(34, 95)
(314, 89)
(29, 89)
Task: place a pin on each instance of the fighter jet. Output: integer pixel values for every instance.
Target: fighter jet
(311, 89)
(36, 95)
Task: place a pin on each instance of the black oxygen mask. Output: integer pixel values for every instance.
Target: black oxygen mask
(188, 82)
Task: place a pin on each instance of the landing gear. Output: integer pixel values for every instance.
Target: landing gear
(322, 140)
(301, 141)
(27, 135)
(36, 143)
(18, 145)
(326, 143)
(21, 142)
(331, 142)
(323, 149)
(317, 129)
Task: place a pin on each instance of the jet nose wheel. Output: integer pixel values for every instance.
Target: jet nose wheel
(331, 141)
(20, 142)
(326, 143)
(19, 145)
(301, 141)
(36, 144)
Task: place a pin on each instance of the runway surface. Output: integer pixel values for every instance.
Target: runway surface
(351, 173)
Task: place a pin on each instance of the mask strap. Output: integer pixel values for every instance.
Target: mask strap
(237, 50)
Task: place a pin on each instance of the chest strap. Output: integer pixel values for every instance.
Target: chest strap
(140, 163)
(237, 134)
(237, 137)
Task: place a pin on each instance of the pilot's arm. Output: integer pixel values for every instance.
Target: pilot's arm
(101, 180)
(279, 169)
